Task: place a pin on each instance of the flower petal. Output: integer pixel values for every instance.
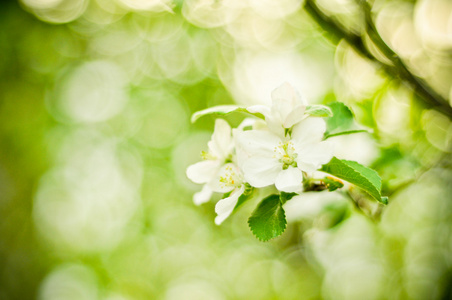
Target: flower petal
(285, 99)
(276, 127)
(247, 122)
(203, 196)
(289, 180)
(203, 171)
(221, 145)
(261, 171)
(225, 206)
(287, 91)
(257, 142)
(312, 156)
(273, 123)
(309, 131)
(307, 166)
(295, 116)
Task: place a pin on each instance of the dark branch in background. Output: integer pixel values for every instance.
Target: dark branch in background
(399, 70)
(336, 30)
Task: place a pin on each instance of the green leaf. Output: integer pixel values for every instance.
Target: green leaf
(357, 174)
(284, 197)
(342, 117)
(268, 220)
(332, 184)
(222, 110)
(345, 132)
(342, 122)
(318, 111)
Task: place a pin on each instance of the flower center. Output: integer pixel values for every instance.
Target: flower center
(285, 153)
(230, 178)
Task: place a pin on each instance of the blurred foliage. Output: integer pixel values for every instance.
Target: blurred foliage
(95, 101)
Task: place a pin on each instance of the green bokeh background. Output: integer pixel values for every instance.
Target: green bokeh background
(95, 136)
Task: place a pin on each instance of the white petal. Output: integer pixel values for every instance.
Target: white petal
(257, 142)
(295, 116)
(273, 121)
(289, 180)
(261, 171)
(284, 101)
(307, 167)
(203, 171)
(312, 156)
(309, 131)
(247, 122)
(221, 143)
(276, 126)
(203, 196)
(241, 155)
(225, 206)
(287, 91)
(260, 125)
(216, 186)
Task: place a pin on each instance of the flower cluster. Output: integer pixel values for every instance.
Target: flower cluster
(281, 149)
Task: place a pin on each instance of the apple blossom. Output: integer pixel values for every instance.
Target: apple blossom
(230, 180)
(271, 159)
(218, 172)
(281, 147)
(287, 109)
(220, 151)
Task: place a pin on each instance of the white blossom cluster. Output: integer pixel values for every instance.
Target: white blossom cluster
(280, 150)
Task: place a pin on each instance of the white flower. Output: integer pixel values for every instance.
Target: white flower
(270, 158)
(287, 109)
(205, 172)
(230, 179)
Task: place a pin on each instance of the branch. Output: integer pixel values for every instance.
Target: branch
(399, 70)
(336, 30)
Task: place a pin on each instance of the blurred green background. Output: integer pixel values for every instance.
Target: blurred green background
(95, 137)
